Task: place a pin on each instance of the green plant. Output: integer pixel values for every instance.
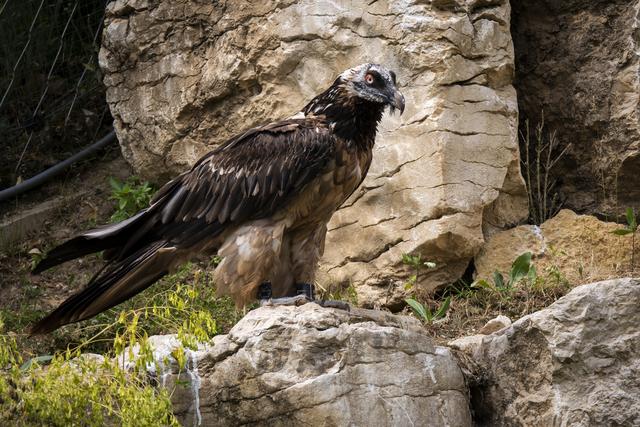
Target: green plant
(183, 303)
(423, 311)
(130, 195)
(75, 390)
(521, 268)
(630, 228)
(540, 157)
(416, 262)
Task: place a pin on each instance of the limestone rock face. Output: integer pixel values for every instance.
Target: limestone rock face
(315, 366)
(579, 61)
(183, 76)
(575, 363)
(580, 247)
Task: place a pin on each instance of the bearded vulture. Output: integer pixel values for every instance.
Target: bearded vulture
(261, 201)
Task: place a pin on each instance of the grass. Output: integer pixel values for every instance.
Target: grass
(465, 306)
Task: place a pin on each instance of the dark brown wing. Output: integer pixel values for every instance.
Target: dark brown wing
(249, 177)
(252, 175)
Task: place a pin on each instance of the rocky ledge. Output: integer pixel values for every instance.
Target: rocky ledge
(574, 363)
(318, 366)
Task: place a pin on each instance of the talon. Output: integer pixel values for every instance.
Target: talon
(297, 300)
(341, 305)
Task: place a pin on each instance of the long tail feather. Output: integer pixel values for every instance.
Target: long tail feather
(92, 241)
(118, 282)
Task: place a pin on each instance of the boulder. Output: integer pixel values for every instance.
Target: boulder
(311, 365)
(575, 363)
(183, 76)
(581, 248)
(579, 61)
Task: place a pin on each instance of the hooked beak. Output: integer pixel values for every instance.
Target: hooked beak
(397, 101)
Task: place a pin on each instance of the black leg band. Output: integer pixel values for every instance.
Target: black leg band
(306, 289)
(264, 291)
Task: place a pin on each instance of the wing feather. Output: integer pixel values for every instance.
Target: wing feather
(252, 175)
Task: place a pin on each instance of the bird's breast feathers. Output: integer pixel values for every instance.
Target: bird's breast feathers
(324, 194)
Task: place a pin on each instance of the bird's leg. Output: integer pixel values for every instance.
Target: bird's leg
(264, 293)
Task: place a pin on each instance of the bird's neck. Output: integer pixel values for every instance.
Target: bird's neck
(351, 118)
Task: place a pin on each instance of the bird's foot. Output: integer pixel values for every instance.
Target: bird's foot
(305, 293)
(265, 297)
(341, 305)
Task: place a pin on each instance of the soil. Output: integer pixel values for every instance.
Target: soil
(25, 298)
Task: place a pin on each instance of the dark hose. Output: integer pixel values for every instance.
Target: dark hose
(45, 176)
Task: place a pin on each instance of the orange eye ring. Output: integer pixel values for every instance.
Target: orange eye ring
(369, 79)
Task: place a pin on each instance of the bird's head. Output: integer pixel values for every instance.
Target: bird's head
(374, 83)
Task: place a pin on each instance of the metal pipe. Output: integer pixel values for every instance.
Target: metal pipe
(45, 176)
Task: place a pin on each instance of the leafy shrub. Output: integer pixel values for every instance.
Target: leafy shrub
(130, 195)
(74, 390)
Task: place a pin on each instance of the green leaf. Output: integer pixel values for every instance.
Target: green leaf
(412, 260)
(498, 280)
(419, 309)
(631, 219)
(443, 308)
(482, 284)
(621, 232)
(115, 185)
(39, 360)
(520, 268)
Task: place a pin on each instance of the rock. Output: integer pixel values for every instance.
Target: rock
(580, 248)
(183, 76)
(495, 325)
(575, 363)
(471, 343)
(317, 366)
(468, 344)
(579, 62)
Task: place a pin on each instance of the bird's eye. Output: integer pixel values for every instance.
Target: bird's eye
(369, 78)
